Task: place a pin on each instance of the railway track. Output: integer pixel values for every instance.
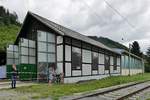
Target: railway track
(128, 92)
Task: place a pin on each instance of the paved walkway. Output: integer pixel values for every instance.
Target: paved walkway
(5, 85)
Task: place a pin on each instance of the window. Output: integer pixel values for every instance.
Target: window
(94, 61)
(16, 61)
(51, 47)
(51, 37)
(10, 55)
(24, 42)
(51, 57)
(107, 62)
(76, 58)
(16, 55)
(31, 60)
(15, 48)
(24, 59)
(10, 48)
(42, 36)
(59, 39)
(111, 60)
(67, 40)
(31, 52)
(115, 63)
(101, 50)
(86, 46)
(42, 47)
(94, 49)
(27, 51)
(76, 43)
(10, 61)
(24, 50)
(118, 61)
(42, 57)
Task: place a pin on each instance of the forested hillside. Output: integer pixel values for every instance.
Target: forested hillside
(7, 18)
(7, 35)
(9, 27)
(108, 42)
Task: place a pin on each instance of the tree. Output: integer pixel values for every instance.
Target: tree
(148, 55)
(7, 18)
(147, 62)
(135, 49)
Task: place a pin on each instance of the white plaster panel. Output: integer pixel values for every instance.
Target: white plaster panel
(101, 69)
(101, 58)
(86, 56)
(94, 72)
(59, 68)
(86, 69)
(67, 53)
(76, 79)
(68, 69)
(60, 53)
(111, 60)
(76, 72)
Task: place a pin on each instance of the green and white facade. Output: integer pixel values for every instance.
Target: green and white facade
(43, 44)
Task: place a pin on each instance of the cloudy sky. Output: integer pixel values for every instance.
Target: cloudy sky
(93, 17)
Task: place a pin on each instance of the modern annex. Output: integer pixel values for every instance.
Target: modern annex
(42, 44)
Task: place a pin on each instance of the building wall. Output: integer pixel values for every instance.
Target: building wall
(2, 72)
(77, 60)
(27, 59)
(131, 65)
(11, 58)
(90, 62)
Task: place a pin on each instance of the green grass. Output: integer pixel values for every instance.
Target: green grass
(56, 91)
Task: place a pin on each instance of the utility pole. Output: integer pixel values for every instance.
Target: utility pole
(129, 59)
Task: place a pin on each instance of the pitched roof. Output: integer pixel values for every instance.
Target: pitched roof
(68, 32)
